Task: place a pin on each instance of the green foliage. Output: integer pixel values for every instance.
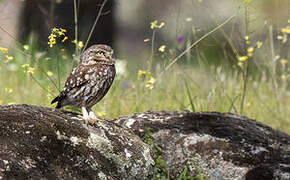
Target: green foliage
(159, 171)
(148, 138)
(184, 175)
(189, 97)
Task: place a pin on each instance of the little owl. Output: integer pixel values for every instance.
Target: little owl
(89, 82)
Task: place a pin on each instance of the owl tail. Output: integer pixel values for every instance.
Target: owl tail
(56, 99)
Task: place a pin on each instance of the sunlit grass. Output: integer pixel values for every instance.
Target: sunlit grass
(211, 90)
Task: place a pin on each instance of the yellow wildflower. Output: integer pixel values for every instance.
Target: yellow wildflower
(282, 38)
(4, 50)
(50, 43)
(61, 33)
(49, 73)
(52, 36)
(283, 77)
(162, 48)
(9, 58)
(8, 90)
(141, 74)
(283, 61)
(80, 44)
(31, 70)
(148, 76)
(152, 80)
(55, 30)
(154, 24)
(25, 65)
(56, 33)
(250, 54)
(259, 44)
(161, 24)
(250, 49)
(26, 47)
(286, 30)
(279, 37)
(64, 39)
(62, 30)
(247, 39)
(146, 40)
(247, 1)
(249, 104)
(150, 83)
(243, 58)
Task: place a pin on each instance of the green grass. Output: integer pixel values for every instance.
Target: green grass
(210, 90)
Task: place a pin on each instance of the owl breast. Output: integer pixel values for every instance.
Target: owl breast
(91, 84)
(99, 85)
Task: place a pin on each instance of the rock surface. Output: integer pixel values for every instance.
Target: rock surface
(44, 143)
(220, 146)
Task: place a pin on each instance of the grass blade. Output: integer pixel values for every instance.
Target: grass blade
(189, 97)
(233, 103)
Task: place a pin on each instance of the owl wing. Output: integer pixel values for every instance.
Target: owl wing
(78, 77)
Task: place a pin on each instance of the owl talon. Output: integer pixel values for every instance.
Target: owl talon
(91, 121)
(88, 121)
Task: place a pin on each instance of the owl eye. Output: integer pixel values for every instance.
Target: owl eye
(100, 53)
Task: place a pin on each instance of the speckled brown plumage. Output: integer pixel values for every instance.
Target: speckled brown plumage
(90, 81)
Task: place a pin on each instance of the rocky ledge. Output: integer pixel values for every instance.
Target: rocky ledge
(44, 143)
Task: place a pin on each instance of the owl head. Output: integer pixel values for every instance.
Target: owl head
(95, 53)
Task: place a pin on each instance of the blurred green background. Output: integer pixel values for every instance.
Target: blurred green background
(241, 67)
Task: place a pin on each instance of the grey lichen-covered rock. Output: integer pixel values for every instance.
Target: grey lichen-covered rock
(44, 143)
(216, 145)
